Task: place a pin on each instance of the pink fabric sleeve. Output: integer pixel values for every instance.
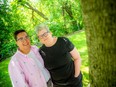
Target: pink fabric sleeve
(16, 75)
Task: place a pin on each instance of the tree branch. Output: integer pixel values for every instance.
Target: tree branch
(35, 10)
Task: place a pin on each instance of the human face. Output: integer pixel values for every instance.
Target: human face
(23, 42)
(44, 36)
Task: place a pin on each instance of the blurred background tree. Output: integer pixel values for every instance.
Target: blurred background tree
(100, 27)
(10, 20)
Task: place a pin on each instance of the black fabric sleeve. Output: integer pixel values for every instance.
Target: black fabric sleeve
(69, 45)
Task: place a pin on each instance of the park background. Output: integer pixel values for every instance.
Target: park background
(89, 24)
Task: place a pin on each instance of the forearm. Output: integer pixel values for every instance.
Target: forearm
(77, 63)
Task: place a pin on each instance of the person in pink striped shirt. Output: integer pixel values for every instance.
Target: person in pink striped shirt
(26, 67)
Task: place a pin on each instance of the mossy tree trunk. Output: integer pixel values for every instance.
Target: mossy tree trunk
(100, 26)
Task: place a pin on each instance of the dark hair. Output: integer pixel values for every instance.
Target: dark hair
(17, 32)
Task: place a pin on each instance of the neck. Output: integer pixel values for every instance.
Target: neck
(51, 42)
(26, 51)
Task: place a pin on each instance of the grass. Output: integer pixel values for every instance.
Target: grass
(78, 40)
(4, 76)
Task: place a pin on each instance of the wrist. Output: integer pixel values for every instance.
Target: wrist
(76, 74)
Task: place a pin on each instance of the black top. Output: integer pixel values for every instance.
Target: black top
(58, 60)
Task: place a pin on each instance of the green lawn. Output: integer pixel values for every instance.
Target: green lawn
(4, 77)
(78, 40)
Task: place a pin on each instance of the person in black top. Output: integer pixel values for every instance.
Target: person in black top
(60, 57)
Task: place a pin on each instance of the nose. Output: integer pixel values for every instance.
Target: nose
(25, 40)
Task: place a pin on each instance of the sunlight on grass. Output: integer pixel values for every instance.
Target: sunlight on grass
(78, 40)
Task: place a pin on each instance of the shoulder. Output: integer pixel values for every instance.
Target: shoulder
(42, 47)
(13, 60)
(64, 39)
(14, 57)
(34, 47)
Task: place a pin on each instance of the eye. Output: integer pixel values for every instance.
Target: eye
(27, 37)
(21, 38)
(45, 34)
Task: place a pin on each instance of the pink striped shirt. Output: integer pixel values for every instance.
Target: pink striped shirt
(24, 71)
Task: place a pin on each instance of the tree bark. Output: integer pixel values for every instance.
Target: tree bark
(100, 26)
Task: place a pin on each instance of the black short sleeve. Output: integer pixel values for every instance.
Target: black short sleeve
(69, 45)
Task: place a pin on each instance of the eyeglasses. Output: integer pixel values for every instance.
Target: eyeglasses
(23, 38)
(43, 35)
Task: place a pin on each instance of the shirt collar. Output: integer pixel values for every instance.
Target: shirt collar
(25, 55)
(19, 52)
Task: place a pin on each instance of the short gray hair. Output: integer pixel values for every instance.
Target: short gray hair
(40, 27)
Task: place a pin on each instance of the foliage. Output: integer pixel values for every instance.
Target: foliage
(5, 32)
(62, 16)
(4, 76)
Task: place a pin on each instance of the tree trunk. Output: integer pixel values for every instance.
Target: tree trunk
(100, 26)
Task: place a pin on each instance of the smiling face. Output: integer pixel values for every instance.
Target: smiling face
(23, 42)
(44, 36)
